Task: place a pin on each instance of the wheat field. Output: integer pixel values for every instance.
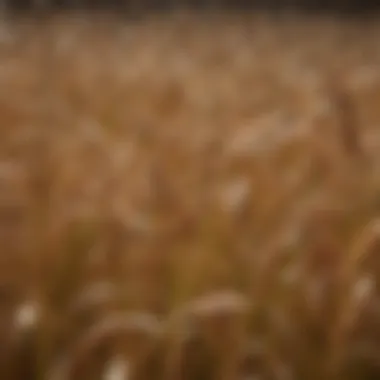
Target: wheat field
(189, 197)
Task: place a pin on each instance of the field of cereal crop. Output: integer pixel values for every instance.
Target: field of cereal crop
(189, 198)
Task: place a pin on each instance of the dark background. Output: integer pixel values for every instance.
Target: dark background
(313, 6)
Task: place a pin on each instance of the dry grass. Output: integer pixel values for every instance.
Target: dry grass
(189, 198)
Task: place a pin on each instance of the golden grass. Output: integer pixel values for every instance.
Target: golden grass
(190, 197)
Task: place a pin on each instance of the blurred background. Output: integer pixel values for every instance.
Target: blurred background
(342, 6)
